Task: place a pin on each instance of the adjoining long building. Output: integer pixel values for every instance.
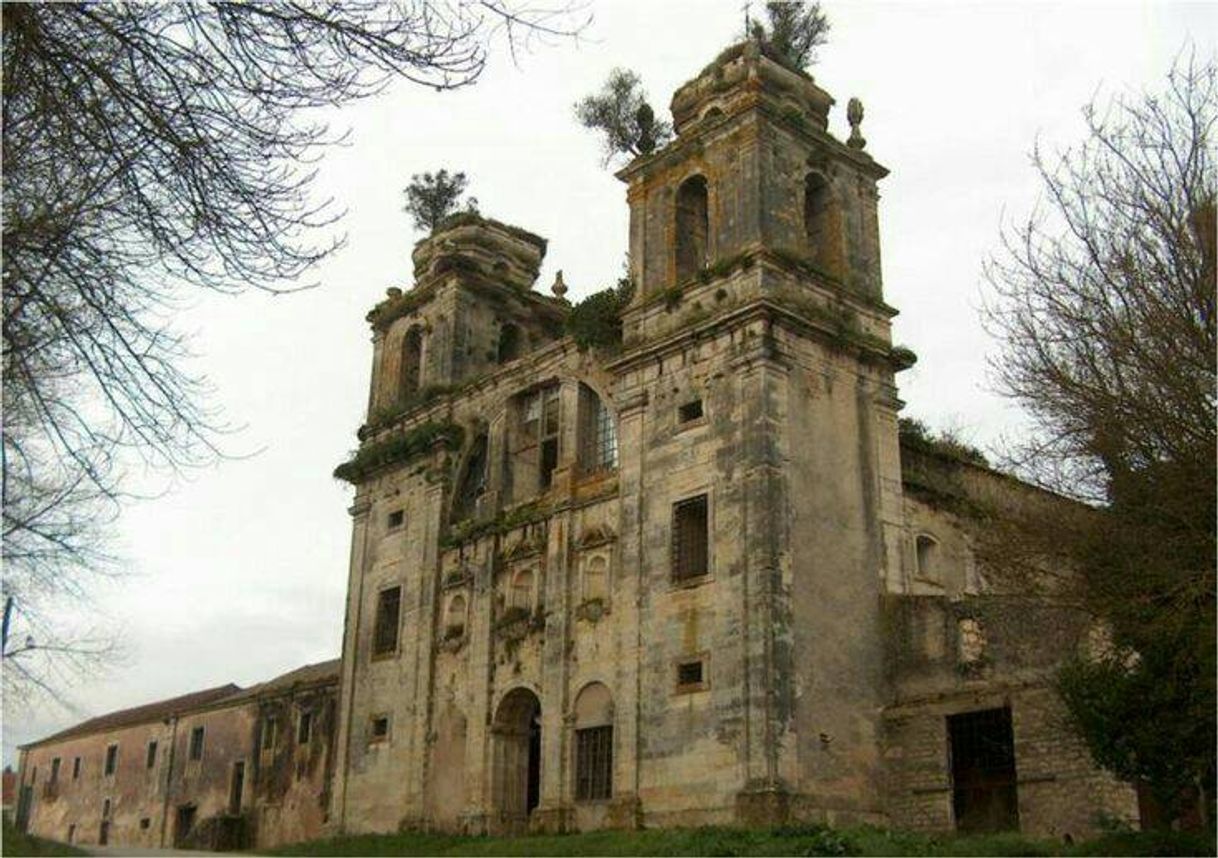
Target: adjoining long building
(693, 574)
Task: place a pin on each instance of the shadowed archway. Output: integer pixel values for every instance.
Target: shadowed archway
(517, 775)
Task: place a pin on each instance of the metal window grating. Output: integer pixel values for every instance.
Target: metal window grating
(689, 538)
(594, 763)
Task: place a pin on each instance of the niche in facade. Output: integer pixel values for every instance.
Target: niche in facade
(692, 227)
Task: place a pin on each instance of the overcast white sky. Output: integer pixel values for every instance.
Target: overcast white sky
(240, 572)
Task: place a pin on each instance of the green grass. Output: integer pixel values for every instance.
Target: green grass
(19, 843)
(790, 840)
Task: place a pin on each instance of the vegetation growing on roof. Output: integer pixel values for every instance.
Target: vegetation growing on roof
(597, 320)
(398, 449)
(474, 218)
(914, 433)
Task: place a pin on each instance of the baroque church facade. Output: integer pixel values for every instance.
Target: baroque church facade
(695, 577)
(692, 574)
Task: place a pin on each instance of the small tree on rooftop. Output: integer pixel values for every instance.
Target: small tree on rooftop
(431, 197)
(796, 30)
(621, 113)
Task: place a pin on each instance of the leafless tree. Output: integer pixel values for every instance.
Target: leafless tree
(151, 150)
(1105, 302)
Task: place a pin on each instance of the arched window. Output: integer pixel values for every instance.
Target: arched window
(817, 198)
(692, 227)
(926, 549)
(594, 743)
(521, 593)
(412, 358)
(473, 480)
(596, 578)
(509, 343)
(598, 433)
(454, 618)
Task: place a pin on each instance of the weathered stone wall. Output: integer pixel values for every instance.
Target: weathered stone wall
(284, 794)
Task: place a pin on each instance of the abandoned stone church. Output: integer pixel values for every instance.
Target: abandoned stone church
(692, 574)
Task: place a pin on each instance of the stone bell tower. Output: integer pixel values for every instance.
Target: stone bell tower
(755, 254)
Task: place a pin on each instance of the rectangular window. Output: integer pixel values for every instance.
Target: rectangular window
(689, 538)
(396, 519)
(594, 763)
(55, 770)
(196, 743)
(236, 787)
(378, 728)
(983, 770)
(106, 809)
(691, 675)
(597, 433)
(388, 615)
(111, 760)
(151, 761)
(304, 730)
(270, 734)
(145, 823)
(76, 769)
(690, 411)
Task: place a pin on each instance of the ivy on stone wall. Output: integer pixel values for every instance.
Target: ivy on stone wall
(597, 320)
(398, 449)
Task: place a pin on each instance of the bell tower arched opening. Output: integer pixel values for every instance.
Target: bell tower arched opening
(692, 227)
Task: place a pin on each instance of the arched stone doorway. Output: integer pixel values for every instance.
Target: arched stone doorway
(517, 776)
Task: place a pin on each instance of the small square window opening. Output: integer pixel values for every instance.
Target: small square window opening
(379, 731)
(690, 411)
(396, 519)
(690, 675)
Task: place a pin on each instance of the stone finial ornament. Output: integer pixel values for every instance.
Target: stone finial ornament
(559, 288)
(854, 113)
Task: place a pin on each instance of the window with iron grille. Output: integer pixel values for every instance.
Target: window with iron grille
(388, 612)
(689, 538)
(594, 763)
(598, 433)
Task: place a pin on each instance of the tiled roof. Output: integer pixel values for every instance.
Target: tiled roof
(157, 711)
(311, 674)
